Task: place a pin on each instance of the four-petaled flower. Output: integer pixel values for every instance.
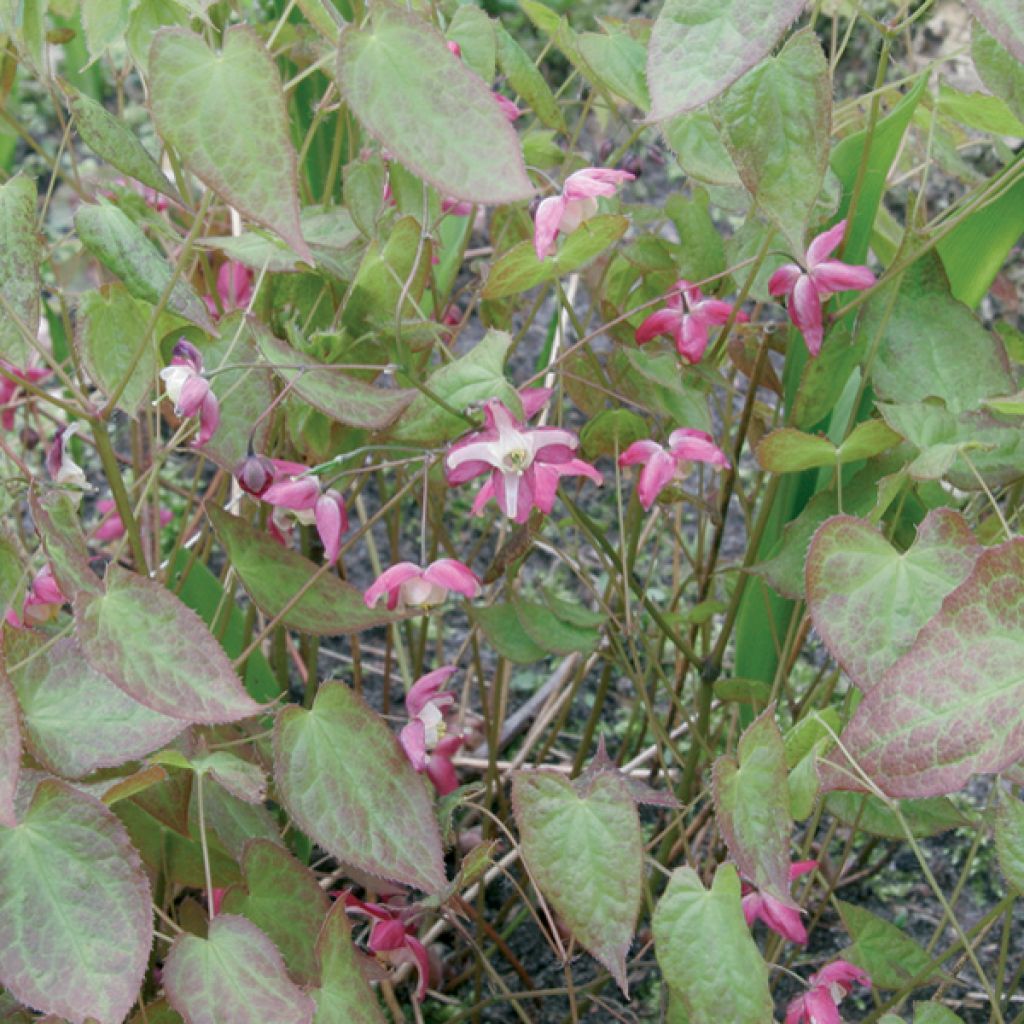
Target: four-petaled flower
(806, 289)
(686, 317)
(780, 918)
(425, 738)
(520, 460)
(662, 466)
(41, 603)
(409, 586)
(11, 385)
(309, 502)
(190, 391)
(820, 1004)
(577, 203)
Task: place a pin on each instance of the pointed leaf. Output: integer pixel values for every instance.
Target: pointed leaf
(159, 652)
(76, 719)
(75, 918)
(344, 996)
(859, 585)
(281, 896)
(1009, 833)
(706, 952)
(700, 47)
(505, 633)
(570, 836)
(235, 974)
(1004, 19)
(527, 81)
(236, 822)
(934, 1013)
(552, 634)
(10, 751)
(346, 783)
(925, 817)
(223, 112)
(1001, 72)
(272, 575)
(56, 521)
(891, 958)
(431, 111)
(19, 270)
(953, 705)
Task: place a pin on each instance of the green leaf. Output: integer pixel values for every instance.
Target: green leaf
(699, 48)
(236, 822)
(823, 380)
(272, 575)
(706, 952)
(551, 633)
(10, 747)
(104, 22)
(891, 958)
(867, 813)
(158, 651)
(19, 270)
(527, 81)
(803, 782)
(616, 61)
(225, 111)
(119, 244)
(76, 924)
(751, 691)
(339, 397)
(571, 836)
(978, 110)
(431, 111)
(788, 451)
(474, 377)
(344, 997)
(519, 270)
(653, 380)
(701, 252)
(109, 328)
(76, 720)
(1001, 72)
(506, 635)
(56, 520)
(934, 1013)
(111, 140)
(1009, 833)
(611, 432)
(474, 32)
(752, 806)
(284, 899)
(236, 966)
(348, 785)
(775, 124)
(953, 705)
(698, 146)
(1004, 19)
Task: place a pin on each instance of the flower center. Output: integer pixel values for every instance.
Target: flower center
(515, 460)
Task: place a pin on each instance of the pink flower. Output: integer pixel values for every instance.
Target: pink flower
(508, 108)
(310, 503)
(577, 203)
(234, 288)
(409, 586)
(111, 527)
(424, 739)
(820, 1004)
(41, 603)
(687, 316)
(662, 466)
(392, 938)
(806, 290)
(190, 391)
(255, 473)
(513, 454)
(10, 386)
(60, 465)
(780, 918)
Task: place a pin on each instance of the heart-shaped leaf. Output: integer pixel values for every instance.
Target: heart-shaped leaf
(888, 955)
(790, 451)
(345, 781)
(344, 997)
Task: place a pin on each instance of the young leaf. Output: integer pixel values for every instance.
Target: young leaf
(346, 783)
(698, 49)
(706, 952)
(224, 112)
(76, 926)
(235, 966)
(281, 896)
(776, 122)
(19, 270)
(890, 957)
(431, 111)
(76, 719)
(584, 849)
(952, 705)
(859, 585)
(1004, 19)
(10, 750)
(273, 575)
(344, 997)
(159, 652)
(752, 805)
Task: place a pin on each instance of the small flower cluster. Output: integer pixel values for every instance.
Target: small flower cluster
(190, 391)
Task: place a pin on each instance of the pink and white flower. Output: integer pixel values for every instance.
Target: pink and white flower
(662, 466)
(577, 203)
(60, 465)
(425, 738)
(190, 391)
(408, 586)
(806, 289)
(42, 602)
(686, 318)
(828, 988)
(309, 502)
(10, 386)
(782, 919)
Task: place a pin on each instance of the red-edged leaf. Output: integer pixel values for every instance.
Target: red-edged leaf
(10, 751)
(1004, 19)
(344, 996)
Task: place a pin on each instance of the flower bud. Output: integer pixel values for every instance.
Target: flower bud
(255, 473)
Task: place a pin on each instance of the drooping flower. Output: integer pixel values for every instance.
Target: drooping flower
(190, 391)
(782, 919)
(512, 454)
(392, 937)
(234, 289)
(42, 602)
(686, 317)
(662, 466)
(11, 385)
(255, 473)
(577, 203)
(408, 586)
(309, 502)
(111, 527)
(60, 465)
(806, 288)
(820, 1003)
(425, 738)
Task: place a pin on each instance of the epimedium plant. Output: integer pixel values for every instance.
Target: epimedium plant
(363, 365)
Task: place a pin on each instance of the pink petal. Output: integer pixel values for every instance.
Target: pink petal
(833, 276)
(389, 581)
(534, 399)
(422, 961)
(331, 523)
(692, 340)
(805, 312)
(820, 1007)
(751, 904)
(639, 451)
(453, 575)
(427, 688)
(784, 920)
(413, 740)
(801, 867)
(545, 225)
(577, 467)
(193, 393)
(664, 321)
(655, 477)
(696, 446)
(282, 467)
(299, 495)
(45, 587)
(784, 279)
(545, 486)
(209, 418)
(842, 972)
(713, 311)
(824, 244)
(508, 108)
(483, 496)
(111, 528)
(594, 181)
(796, 1012)
(441, 773)
(234, 285)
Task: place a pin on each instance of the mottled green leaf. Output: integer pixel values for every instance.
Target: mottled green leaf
(999, 69)
(890, 957)
(505, 633)
(934, 1013)
(790, 451)
(104, 22)
(698, 146)
(10, 750)
(553, 634)
(925, 817)
(527, 81)
(474, 33)
(236, 822)
(617, 61)
(19, 270)
(1004, 19)
(344, 996)
(1009, 832)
